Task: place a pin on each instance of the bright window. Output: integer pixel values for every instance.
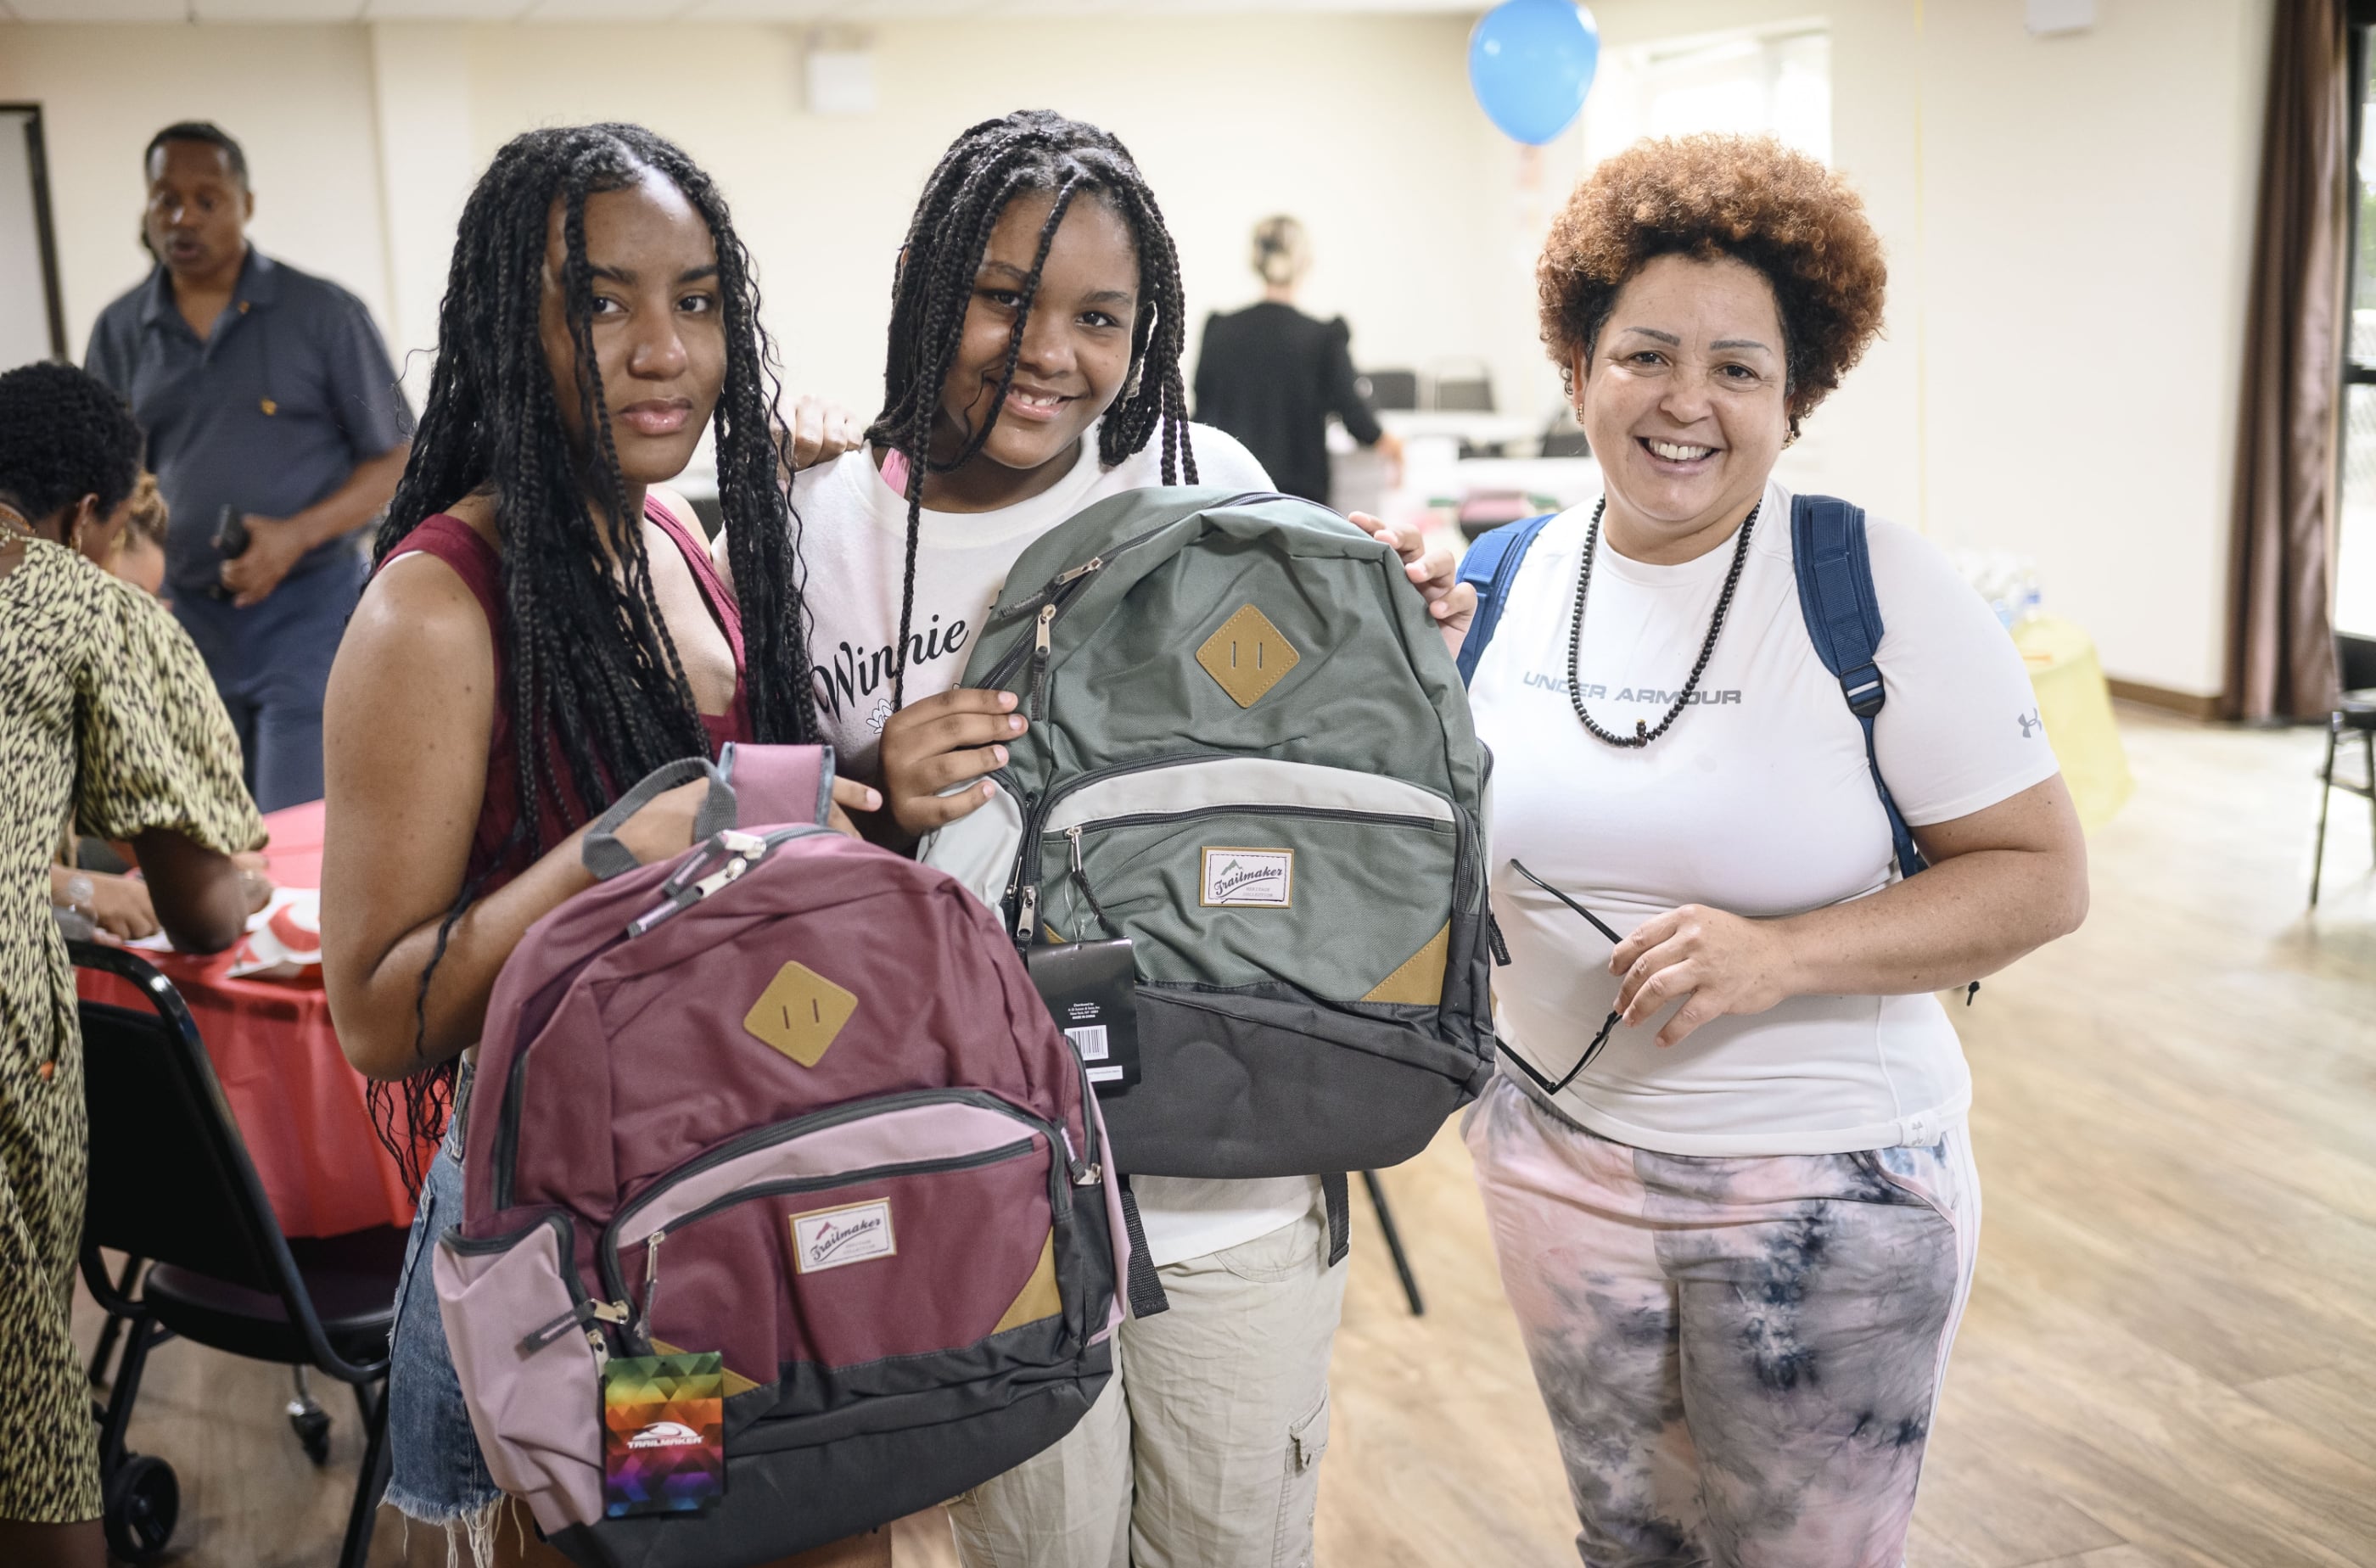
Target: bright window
(2354, 558)
(1775, 82)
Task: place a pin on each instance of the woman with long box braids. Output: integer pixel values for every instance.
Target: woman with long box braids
(1037, 322)
(542, 631)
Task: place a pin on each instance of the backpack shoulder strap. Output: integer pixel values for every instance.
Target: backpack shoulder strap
(1835, 570)
(1490, 566)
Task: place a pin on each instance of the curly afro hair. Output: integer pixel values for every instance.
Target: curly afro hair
(63, 436)
(1747, 197)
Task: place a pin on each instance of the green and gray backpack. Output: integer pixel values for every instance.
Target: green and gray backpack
(1251, 755)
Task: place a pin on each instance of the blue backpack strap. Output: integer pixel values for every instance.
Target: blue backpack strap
(1827, 547)
(1490, 566)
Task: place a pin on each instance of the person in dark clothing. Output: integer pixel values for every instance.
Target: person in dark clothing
(266, 394)
(1271, 375)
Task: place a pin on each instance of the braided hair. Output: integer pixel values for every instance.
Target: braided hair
(1030, 151)
(592, 678)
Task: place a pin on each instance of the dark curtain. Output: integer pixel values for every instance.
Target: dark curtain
(2281, 641)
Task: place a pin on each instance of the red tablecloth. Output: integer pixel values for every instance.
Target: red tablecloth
(298, 1104)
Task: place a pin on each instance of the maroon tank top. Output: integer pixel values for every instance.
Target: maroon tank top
(474, 560)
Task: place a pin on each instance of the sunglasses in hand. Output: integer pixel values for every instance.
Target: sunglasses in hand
(1608, 1025)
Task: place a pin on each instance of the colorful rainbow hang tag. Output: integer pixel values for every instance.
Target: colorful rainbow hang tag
(663, 1433)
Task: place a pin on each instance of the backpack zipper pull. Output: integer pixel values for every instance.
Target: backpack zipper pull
(1040, 641)
(651, 1287)
(742, 851)
(1093, 563)
(1027, 917)
(1084, 1174)
(587, 1312)
(1081, 878)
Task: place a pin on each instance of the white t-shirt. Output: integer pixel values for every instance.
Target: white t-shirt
(854, 541)
(1758, 800)
(854, 544)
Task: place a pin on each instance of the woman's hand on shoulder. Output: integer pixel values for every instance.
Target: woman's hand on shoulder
(1451, 603)
(817, 430)
(1717, 962)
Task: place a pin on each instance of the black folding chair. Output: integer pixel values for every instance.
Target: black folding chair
(2355, 661)
(1388, 390)
(171, 1182)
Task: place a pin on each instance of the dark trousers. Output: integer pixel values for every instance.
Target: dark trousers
(270, 662)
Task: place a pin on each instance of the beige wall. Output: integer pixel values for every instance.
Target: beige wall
(2068, 222)
(2067, 218)
(2086, 254)
(299, 99)
(1362, 125)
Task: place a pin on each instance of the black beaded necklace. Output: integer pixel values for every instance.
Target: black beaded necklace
(1642, 734)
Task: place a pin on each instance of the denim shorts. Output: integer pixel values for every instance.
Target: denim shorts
(436, 1474)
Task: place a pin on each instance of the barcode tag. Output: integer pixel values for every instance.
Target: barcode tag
(1091, 989)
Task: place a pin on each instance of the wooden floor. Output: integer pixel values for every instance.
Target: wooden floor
(2171, 1356)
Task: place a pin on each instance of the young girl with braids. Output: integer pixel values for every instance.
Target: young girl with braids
(1037, 320)
(542, 631)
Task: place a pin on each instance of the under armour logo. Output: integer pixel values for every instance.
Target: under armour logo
(2030, 724)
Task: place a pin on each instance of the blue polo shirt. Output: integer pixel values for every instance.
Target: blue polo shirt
(271, 412)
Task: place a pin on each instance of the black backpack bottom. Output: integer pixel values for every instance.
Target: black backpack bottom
(801, 1483)
(1240, 1083)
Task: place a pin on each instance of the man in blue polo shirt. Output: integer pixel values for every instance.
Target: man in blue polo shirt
(266, 392)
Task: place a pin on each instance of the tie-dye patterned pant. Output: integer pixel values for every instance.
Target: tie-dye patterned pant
(1740, 1355)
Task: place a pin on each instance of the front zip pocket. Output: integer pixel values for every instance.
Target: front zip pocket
(919, 1223)
(1049, 605)
(1242, 872)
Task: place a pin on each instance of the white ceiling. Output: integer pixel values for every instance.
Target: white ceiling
(650, 11)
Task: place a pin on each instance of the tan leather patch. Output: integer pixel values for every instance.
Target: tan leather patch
(1248, 655)
(1040, 1298)
(734, 1382)
(1420, 978)
(800, 1013)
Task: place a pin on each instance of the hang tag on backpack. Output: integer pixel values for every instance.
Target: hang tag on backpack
(663, 1433)
(1091, 989)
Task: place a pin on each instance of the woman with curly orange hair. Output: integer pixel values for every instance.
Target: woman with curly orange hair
(1737, 1221)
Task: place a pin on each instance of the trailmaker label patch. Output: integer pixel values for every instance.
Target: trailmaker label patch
(828, 1238)
(1248, 879)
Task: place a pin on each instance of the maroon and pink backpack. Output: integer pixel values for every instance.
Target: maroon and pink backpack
(791, 1100)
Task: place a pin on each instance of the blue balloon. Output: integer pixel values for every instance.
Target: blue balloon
(1530, 63)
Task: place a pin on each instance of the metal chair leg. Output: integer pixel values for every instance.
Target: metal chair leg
(2325, 793)
(372, 1482)
(1393, 1242)
(112, 1329)
(2368, 759)
(146, 1337)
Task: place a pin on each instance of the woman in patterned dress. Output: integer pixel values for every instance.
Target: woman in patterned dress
(109, 724)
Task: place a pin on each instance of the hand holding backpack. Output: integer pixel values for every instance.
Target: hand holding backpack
(1250, 756)
(721, 1132)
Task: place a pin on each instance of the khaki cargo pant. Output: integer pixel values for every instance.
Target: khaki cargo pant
(1203, 1451)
